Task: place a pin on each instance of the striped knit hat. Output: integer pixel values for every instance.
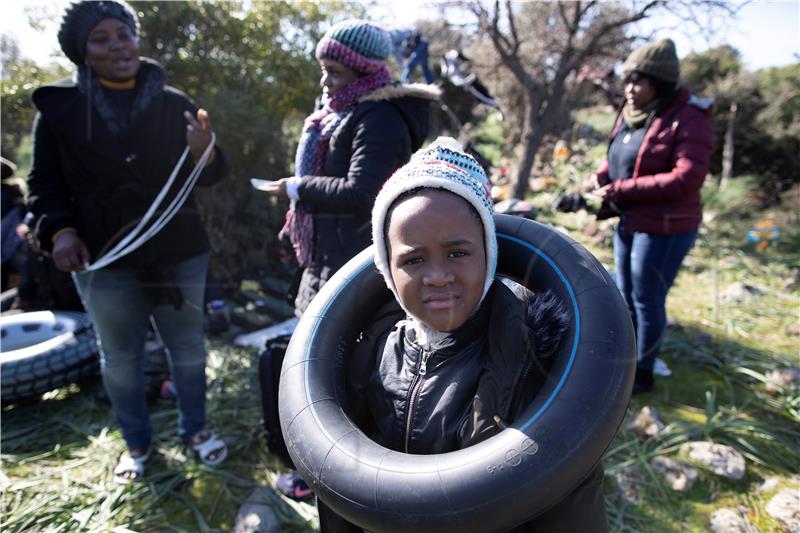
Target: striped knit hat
(442, 165)
(357, 44)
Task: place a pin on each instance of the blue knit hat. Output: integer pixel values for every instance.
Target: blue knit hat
(442, 165)
(356, 43)
(80, 18)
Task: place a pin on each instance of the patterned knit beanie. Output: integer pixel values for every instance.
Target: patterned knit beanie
(80, 18)
(357, 44)
(657, 60)
(442, 165)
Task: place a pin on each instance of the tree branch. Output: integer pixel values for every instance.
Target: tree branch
(512, 26)
(606, 29)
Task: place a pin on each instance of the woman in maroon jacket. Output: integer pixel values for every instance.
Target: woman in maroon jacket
(656, 164)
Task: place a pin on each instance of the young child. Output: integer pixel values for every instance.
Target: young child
(471, 352)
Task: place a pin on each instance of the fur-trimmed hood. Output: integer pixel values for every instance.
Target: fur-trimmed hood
(402, 90)
(413, 101)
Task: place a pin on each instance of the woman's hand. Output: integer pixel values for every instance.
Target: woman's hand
(278, 189)
(603, 192)
(198, 133)
(69, 252)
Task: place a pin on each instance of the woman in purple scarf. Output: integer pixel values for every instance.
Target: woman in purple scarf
(366, 128)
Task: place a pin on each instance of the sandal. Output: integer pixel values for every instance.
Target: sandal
(130, 468)
(210, 449)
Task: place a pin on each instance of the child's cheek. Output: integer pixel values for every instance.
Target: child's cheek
(405, 286)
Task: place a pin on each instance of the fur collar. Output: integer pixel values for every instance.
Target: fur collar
(400, 90)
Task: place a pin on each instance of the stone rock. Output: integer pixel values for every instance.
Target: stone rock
(256, 515)
(739, 292)
(604, 235)
(793, 280)
(782, 379)
(646, 424)
(793, 330)
(591, 228)
(718, 458)
(769, 484)
(629, 480)
(785, 508)
(679, 476)
(727, 520)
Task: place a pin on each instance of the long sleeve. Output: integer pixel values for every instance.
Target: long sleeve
(49, 198)
(689, 166)
(376, 153)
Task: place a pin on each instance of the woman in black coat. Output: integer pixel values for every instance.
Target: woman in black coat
(366, 128)
(105, 143)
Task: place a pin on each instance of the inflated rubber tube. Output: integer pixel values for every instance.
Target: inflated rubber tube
(498, 483)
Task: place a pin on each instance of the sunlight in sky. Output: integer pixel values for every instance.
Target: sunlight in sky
(766, 32)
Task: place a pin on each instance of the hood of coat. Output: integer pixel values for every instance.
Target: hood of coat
(413, 101)
(150, 73)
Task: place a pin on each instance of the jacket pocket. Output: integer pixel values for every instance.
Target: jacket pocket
(461, 428)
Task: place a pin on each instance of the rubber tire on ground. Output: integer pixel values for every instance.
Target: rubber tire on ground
(70, 357)
(498, 483)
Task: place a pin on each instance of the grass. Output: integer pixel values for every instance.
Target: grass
(58, 453)
(720, 352)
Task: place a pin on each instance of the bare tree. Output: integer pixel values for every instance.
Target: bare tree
(542, 44)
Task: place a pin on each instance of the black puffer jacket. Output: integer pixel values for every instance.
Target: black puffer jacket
(379, 136)
(494, 367)
(85, 177)
(438, 401)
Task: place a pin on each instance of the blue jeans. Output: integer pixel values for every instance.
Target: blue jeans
(120, 309)
(418, 57)
(646, 268)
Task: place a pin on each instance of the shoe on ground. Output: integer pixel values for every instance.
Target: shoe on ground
(293, 486)
(210, 449)
(130, 468)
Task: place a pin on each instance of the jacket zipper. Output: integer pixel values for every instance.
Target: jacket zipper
(416, 385)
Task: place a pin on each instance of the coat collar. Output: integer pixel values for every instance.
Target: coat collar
(401, 90)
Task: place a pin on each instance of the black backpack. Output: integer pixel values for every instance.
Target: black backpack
(270, 360)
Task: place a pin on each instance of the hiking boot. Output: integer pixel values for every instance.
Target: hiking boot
(293, 486)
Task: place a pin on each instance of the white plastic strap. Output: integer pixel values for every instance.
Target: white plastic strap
(138, 236)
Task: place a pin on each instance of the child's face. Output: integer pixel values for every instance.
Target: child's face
(437, 258)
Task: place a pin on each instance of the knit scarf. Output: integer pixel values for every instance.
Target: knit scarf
(635, 118)
(149, 82)
(311, 150)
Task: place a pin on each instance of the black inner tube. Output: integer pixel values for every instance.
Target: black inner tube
(496, 484)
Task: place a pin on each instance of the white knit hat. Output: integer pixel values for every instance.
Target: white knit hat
(442, 165)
